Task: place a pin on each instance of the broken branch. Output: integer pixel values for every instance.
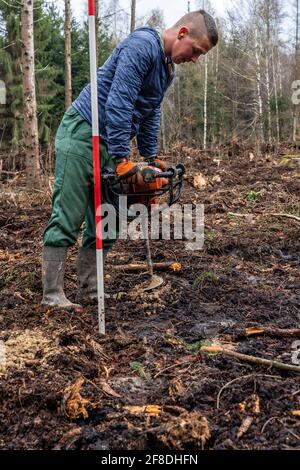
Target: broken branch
(133, 268)
(250, 359)
(272, 332)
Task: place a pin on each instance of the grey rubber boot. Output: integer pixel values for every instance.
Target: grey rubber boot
(87, 275)
(54, 264)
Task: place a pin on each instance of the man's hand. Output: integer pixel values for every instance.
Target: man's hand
(156, 162)
(126, 169)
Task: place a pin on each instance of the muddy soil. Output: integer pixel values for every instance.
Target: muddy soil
(146, 385)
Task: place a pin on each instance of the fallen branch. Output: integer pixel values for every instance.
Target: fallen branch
(272, 332)
(287, 216)
(234, 214)
(251, 359)
(132, 268)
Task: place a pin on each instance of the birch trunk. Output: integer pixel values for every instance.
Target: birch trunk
(205, 104)
(205, 98)
(132, 18)
(276, 97)
(29, 96)
(97, 30)
(268, 74)
(295, 119)
(258, 85)
(215, 94)
(68, 61)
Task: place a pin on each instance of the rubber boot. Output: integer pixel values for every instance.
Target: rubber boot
(54, 265)
(87, 276)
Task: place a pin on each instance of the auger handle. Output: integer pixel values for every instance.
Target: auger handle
(149, 174)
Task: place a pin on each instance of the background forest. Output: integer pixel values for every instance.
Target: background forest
(240, 92)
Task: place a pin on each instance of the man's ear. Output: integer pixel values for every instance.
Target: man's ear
(184, 31)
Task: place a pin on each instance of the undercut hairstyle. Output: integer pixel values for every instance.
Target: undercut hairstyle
(193, 20)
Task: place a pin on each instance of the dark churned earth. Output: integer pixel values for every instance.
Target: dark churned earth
(146, 384)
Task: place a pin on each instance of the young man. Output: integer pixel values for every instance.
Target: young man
(131, 86)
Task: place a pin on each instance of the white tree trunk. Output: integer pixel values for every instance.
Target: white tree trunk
(97, 30)
(268, 98)
(276, 97)
(295, 117)
(205, 98)
(258, 85)
(68, 60)
(215, 93)
(268, 76)
(132, 21)
(29, 96)
(205, 104)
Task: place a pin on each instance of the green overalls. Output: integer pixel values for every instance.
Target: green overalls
(73, 193)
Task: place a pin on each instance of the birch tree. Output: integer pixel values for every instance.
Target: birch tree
(68, 60)
(29, 96)
(132, 18)
(296, 57)
(97, 30)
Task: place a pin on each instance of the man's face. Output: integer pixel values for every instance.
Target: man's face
(189, 49)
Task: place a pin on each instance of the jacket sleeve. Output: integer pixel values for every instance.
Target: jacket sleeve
(147, 137)
(134, 62)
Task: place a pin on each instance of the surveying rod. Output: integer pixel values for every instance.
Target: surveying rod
(97, 166)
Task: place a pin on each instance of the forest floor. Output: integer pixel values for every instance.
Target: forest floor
(146, 384)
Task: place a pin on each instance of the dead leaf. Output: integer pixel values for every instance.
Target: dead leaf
(175, 388)
(244, 426)
(256, 406)
(174, 341)
(151, 410)
(242, 407)
(73, 404)
(176, 267)
(296, 413)
(251, 157)
(200, 182)
(217, 179)
(108, 390)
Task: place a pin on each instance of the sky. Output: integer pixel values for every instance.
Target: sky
(173, 9)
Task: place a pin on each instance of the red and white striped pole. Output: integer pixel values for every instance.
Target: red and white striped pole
(97, 166)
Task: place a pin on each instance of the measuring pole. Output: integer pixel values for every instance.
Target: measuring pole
(97, 166)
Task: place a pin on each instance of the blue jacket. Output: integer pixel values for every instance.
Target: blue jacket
(131, 87)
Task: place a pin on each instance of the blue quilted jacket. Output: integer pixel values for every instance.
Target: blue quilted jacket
(131, 87)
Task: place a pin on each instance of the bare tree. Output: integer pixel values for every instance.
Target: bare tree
(295, 117)
(97, 30)
(132, 22)
(29, 96)
(205, 98)
(68, 60)
(258, 85)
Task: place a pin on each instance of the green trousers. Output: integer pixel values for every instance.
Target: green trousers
(73, 194)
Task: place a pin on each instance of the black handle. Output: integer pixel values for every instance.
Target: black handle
(171, 172)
